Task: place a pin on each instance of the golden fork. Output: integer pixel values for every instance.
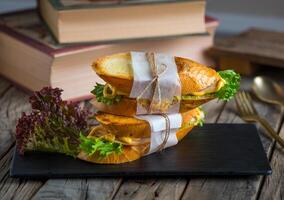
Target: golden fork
(248, 113)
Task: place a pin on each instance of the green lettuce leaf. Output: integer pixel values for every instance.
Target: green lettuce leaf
(231, 86)
(102, 146)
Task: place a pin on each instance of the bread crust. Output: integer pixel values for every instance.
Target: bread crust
(132, 127)
(194, 76)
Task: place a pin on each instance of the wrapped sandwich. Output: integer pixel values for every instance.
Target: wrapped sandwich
(199, 84)
(120, 139)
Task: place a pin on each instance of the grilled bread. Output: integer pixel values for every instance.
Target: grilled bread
(198, 84)
(196, 79)
(133, 134)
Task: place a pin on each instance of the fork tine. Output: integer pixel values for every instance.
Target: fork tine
(251, 104)
(248, 103)
(240, 104)
(237, 100)
(244, 103)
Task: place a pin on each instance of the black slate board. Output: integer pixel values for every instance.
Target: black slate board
(212, 150)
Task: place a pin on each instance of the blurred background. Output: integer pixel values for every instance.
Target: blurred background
(235, 16)
(59, 41)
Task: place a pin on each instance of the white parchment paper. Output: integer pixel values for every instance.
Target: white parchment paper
(158, 127)
(160, 95)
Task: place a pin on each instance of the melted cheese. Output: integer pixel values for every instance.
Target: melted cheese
(126, 139)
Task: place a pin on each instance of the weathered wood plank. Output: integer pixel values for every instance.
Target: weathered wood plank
(248, 44)
(164, 188)
(19, 189)
(4, 86)
(13, 102)
(237, 188)
(14, 188)
(78, 189)
(4, 165)
(273, 187)
(213, 110)
(247, 49)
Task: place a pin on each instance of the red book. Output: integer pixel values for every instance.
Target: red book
(31, 58)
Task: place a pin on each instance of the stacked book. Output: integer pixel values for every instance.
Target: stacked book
(56, 46)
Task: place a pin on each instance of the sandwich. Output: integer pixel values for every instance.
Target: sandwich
(199, 84)
(121, 136)
(120, 139)
(58, 126)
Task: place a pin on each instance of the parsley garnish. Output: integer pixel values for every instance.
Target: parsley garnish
(102, 146)
(98, 92)
(231, 86)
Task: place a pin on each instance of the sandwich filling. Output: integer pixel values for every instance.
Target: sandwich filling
(224, 89)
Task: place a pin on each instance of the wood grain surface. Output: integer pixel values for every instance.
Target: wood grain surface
(14, 101)
(273, 187)
(250, 49)
(251, 44)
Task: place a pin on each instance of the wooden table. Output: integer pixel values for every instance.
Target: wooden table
(13, 102)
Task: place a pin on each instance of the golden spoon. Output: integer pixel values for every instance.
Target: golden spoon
(269, 91)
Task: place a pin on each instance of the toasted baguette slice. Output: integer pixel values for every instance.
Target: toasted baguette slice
(129, 153)
(196, 79)
(137, 128)
(129, 127)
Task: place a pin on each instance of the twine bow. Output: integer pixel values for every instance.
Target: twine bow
(157, 71)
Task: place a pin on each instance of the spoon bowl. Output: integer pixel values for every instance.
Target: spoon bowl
(267, 90)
